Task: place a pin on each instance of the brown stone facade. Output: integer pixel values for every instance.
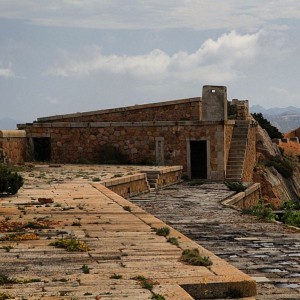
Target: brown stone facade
(72, 142)
(12, 146)
(178, 110)
(128, 186)
(228, 136)
(250, 157)
(193, 133)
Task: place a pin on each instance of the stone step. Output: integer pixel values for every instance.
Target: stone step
(236, 158)
(237, 150)
(235, 169)
(152, 175)
(241, 135)
(233, 174)
(234, 178)
(237, 155)
(235, 164)
(152, 180)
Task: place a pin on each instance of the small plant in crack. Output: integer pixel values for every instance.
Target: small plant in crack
(173, 240)
(96, 179)
(157, 297)
(71, 245)
(116, 276)
(146, 283)
(127, 208)
(193, 257)
(85, 269)
(76, 224)
(163, 231)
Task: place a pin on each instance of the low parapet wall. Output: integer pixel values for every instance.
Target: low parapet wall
(128, 185)
(286, 140)
(164, 177)
(138, 183)
(12, 146)
(246, 199)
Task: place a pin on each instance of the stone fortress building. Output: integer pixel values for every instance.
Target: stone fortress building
(195, 133)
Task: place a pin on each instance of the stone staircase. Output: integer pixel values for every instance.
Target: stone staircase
(237, 152)
(152, 178)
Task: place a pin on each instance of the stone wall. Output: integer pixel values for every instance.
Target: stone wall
(250, 157)
(72, 142)
(177, 110)
(128, 186)
(228, 136)
(242, 109)
(12, 146)
(246, 199)
(214, 103)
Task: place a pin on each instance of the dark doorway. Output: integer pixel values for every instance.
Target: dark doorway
(42, 149)
(198, 159)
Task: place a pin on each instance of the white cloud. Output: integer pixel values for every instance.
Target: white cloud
(6, 72)
(153, 14)
(216, 60)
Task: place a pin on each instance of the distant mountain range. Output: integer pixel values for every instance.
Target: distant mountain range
(8, 124)
(285, 119)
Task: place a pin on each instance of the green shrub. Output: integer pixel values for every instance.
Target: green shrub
(193, 257)
(158, 297)
(173, 240)
(85, 269)
(235, 186)
(162, 231)
(10, 181)
(262, 211)
(284, 166)
(272, 131)
(290, 205)
(145, 282)
(231, 111)
(291, 218)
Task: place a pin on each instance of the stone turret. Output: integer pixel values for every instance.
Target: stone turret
(214, 103)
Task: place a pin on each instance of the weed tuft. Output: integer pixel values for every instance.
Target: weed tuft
(85, 269)
(116, 276)
(173, 240)
(71, 245)
(192, 257)
(163, 231)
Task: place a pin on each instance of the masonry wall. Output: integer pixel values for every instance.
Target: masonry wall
(71, 144)
(228, 136)
(177, 110)
(12, 146)
(250, 157)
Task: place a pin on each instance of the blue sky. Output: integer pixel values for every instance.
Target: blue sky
(65, 56)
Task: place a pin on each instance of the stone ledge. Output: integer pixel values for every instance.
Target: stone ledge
(120, 109)
(120, 124)
(234, 200)
(12, 133)
(124, 179)
(224, 276)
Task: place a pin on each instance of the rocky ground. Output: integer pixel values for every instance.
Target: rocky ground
(269, 252)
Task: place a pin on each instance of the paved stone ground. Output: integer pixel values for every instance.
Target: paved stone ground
(120, 236)
(269, 252)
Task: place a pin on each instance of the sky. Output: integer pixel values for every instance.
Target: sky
(66, 56)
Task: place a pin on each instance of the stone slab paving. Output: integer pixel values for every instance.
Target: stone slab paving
(269, 252)
(120, 241)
